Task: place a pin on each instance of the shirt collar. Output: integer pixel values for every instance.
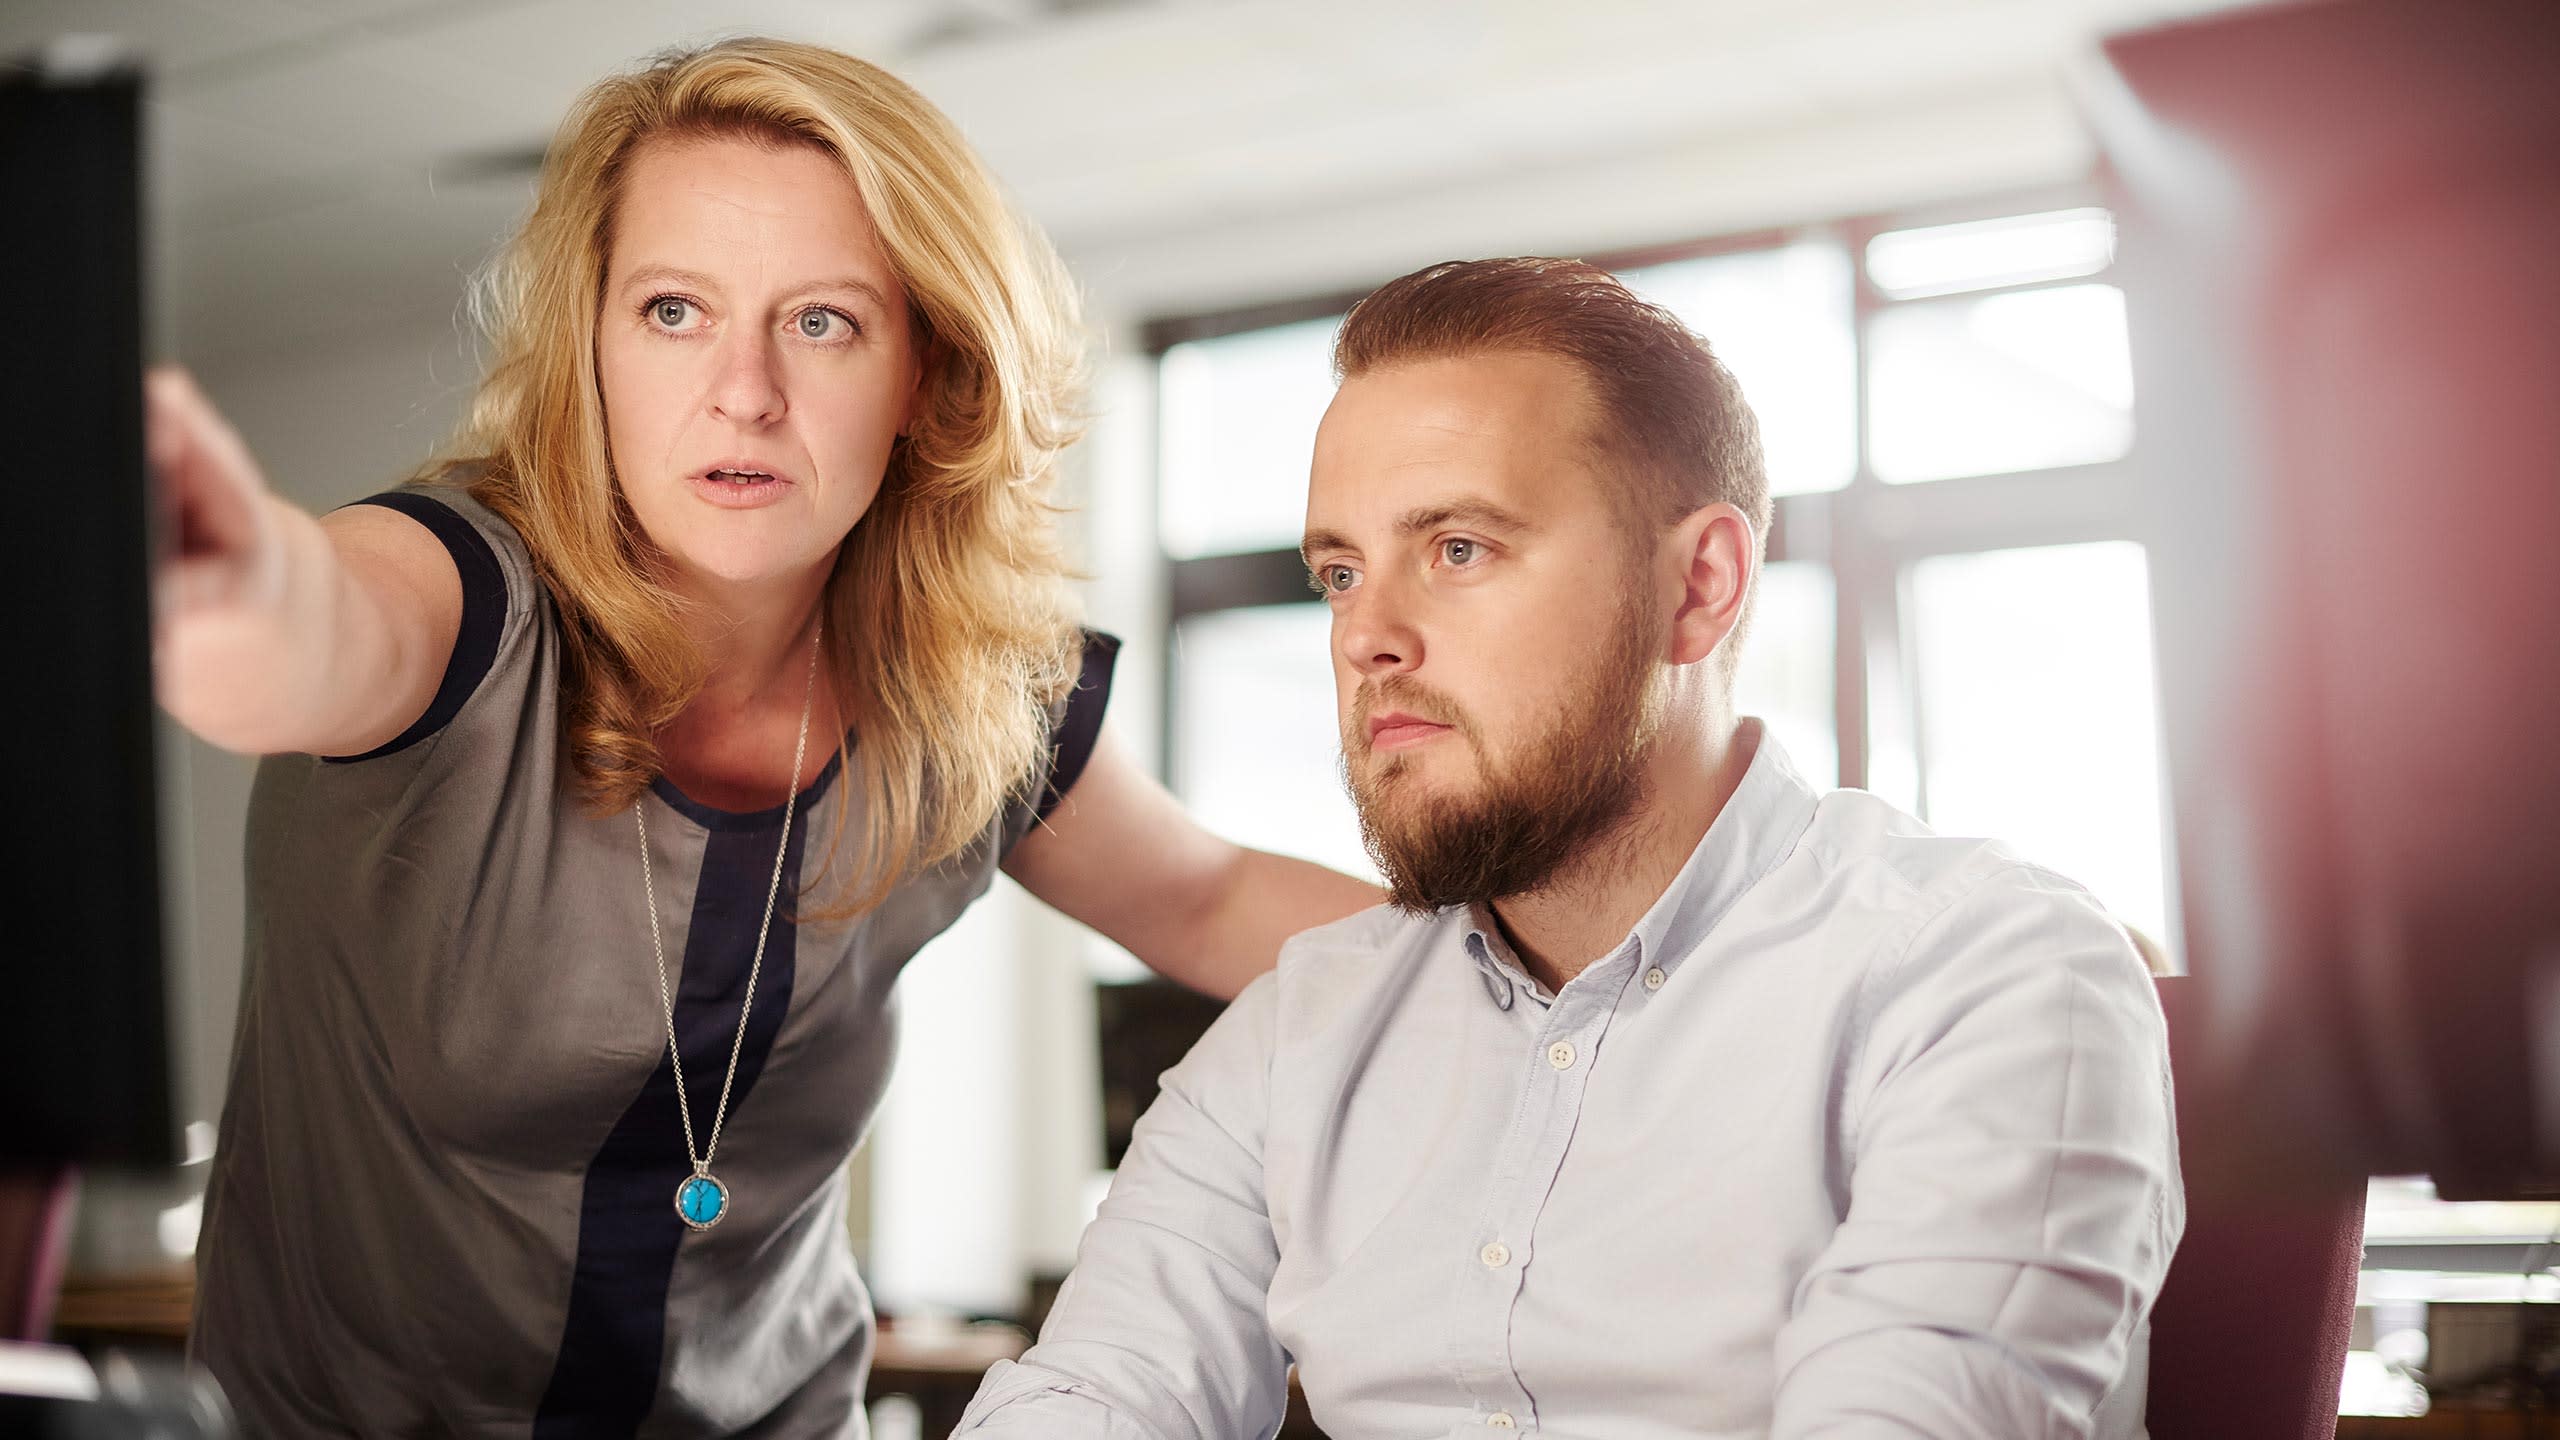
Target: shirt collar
(1757, 828)
(1497, 964)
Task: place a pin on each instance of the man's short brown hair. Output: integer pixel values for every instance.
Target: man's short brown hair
(1671, 420)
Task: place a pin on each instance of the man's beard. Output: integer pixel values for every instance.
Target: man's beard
(1537, 811)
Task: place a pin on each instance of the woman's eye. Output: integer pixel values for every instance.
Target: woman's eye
(669, 312)
(821, 324)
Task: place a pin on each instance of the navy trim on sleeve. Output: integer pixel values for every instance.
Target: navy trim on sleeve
(1072, 744)
(484, 616)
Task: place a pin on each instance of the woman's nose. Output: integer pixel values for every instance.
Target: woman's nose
(748, 390)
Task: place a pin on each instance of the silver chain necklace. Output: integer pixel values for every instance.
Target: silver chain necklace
(703, 1200)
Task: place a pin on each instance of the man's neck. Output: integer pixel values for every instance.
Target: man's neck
(1560, 929)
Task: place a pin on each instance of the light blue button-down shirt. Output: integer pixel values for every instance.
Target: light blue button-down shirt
(1862, 1131)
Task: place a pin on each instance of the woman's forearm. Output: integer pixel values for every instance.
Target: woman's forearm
(253, 669)
(332, 646)
(1260, 900)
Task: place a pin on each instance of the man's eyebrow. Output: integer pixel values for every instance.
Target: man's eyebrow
(1320, 540)
(1483, 514)
(696, 280)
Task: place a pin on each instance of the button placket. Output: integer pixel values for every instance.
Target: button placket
(1525, 1172)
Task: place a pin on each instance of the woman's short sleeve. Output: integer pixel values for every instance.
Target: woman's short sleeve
(1075, 726)
(496, 584)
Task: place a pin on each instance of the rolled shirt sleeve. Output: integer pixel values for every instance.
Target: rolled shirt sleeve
(1161, 1330)
(2013, 1174)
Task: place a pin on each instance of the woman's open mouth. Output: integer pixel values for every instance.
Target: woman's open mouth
(739, 486)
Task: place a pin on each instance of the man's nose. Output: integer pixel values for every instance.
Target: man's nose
(1378, 635)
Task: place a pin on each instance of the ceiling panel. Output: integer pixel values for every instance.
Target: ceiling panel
(310, 154)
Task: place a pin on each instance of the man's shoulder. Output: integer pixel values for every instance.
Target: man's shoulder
(1952, 914)
(1364, 958)
(1363, 932)
(1857, 836)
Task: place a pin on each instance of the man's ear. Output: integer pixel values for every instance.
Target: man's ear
(1717, 557)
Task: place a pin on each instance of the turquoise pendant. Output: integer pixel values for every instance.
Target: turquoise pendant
(702, 1200)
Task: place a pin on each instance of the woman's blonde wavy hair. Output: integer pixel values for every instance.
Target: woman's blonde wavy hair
(949, 628)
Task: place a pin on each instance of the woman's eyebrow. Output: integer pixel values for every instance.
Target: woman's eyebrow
(854, 283)
(697, 280)
(667, 275)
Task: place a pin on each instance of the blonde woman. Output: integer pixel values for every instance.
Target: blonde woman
(725, 667)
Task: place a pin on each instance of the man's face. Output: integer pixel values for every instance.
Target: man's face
(1495, 645)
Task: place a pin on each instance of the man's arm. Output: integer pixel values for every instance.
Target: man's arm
(2013, 1183)
(1160, 1332)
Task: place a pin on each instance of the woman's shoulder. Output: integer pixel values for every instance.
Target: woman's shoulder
(487, 550)
(498, 645)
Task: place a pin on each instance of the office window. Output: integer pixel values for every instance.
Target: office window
(1922, 261)
(1238, 420)
(1256, 753)
(2037, 723)
(1781, 320)
(1985, 384)
(1786, 674)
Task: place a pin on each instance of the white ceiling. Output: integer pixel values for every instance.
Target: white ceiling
(320, 166)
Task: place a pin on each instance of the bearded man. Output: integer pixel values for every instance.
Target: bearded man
(1667, 1096)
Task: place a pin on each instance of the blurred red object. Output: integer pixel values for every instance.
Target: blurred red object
(35, 1236)
(2250, 1334)
(2339, 231)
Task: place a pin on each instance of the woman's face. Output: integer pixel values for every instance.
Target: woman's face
(756, 358)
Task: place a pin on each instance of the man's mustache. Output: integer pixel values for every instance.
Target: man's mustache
(1402, 692)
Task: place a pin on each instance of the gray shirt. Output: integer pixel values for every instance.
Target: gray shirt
(443, 1202)
(1860, 1131)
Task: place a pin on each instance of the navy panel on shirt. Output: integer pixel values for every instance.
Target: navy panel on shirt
(1071, 745)
(605, 1377)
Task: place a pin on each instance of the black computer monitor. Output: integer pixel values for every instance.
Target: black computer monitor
(2339, 226)
(85, 1061)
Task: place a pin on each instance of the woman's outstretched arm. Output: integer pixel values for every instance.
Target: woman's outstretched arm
(276, 631)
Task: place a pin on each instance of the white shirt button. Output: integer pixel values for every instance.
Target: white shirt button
(1560, 1055)
(1495, 1255)
(1653, 978)
(1501, 1420)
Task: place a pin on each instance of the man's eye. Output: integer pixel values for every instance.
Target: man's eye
(1334, 579)
(1460, 552)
